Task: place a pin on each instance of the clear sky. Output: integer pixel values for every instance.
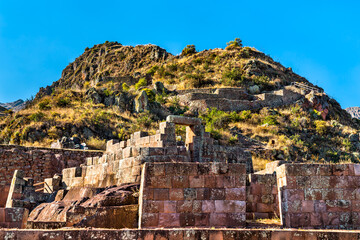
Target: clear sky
(320, 40)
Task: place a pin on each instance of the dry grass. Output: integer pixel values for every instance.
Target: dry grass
(259, 163)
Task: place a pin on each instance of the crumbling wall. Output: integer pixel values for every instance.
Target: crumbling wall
(37, 163)
(319, 195)
(192, 195)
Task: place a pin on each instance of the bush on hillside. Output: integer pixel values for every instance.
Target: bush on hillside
(141, 83)
(236, 43)
(188, 50)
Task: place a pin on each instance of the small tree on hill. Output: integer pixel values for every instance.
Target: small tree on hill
(236, 43)
(188, 50)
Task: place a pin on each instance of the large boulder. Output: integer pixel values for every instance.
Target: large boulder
(142, 102)
(114, 207)
(116, 196)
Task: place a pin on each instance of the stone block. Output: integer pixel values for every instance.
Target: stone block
(176, 194)
(149, 220)
(168, 220)
(217, 194)
(187, 219)
(180, 181)
(140, 134)
(185, 206)
(218, 219)
(235, 193)
(197, 181)
(127, 152)
(161, 193)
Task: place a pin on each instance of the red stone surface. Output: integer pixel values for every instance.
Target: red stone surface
(178, 234)
(319, 196)
(262, 196)
(199, 194)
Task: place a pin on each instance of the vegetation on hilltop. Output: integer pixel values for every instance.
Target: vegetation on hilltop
(97, 96)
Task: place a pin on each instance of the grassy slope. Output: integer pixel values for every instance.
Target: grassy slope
(64, 109)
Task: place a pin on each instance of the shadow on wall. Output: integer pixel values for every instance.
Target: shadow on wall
(3, 196)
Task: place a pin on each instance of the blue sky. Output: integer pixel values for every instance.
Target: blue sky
(320, 40)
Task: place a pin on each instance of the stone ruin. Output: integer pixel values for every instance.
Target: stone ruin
(148, 182)
(236, 99)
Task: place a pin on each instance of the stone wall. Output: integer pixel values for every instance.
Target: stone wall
(262, 197)
(37, 163)
(13, 218)
(192, 195)
(236, 99)
(122, 161)
(320, 196)
(177, 234)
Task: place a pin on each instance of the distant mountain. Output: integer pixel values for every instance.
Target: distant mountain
(354, 112)
(2, 109)
(16, 105)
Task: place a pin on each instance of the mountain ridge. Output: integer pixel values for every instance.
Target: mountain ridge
(15, 106)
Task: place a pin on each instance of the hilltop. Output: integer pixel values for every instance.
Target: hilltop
(112, 90)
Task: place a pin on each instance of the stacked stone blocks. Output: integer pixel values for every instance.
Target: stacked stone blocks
(262, 197)
(320, 196)
(192, 195)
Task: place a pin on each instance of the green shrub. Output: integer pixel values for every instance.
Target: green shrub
(44, 104)
(108, 92)
(236, 43)
(141, 83)
(270, 120)
(62, 102)
(233, 140)
(198, 80)
(172, 67)
(320, 127)
(347, 144)
(37, 117)
(233, 74)
(125, 87)
(150, 93)
(153, 70)
(261, 80)
(245, 52)
(188, 50)
(144, 120)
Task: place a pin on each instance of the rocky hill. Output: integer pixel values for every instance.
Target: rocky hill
(242, 95)
(354, 112)
(15, 106)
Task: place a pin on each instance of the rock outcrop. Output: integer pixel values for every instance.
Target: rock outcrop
(354, 112)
